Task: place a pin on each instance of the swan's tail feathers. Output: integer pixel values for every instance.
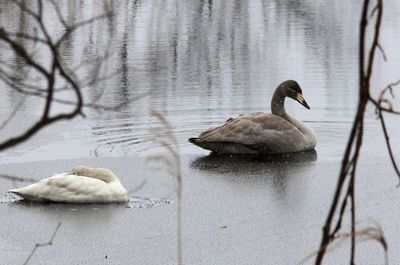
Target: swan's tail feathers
(194, 140)
(24, 195)
(200, 143)
(15, 191)
(204, 144)
(18, 192)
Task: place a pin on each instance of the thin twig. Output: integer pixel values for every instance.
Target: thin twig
(38, 245)
(59, 13)
(23, 53)
(78, 25)
(25, 36)
(12, 114)
(355, 138)
(50, 72)
(389, 148)
(168, 140)
(382, 51)
(342, 210)
(138, 187)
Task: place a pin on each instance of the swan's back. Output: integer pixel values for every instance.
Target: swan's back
(72, 188)
(256, 132)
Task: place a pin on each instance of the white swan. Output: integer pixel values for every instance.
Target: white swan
(81, 185)
(262, 133)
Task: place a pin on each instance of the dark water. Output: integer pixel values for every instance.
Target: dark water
(201, 62)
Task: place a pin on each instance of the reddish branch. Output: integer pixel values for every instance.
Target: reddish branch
(349, 163)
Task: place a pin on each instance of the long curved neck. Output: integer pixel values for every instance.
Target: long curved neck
(300, 125)
(103, 174)
(278, 103)
(278, 108)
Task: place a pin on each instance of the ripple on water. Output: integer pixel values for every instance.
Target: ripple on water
(143, 202)
(134, 202)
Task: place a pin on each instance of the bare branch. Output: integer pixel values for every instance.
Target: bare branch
(78, 25)
(12, 114)
(25, 36)
(38, 245)
(382, 99)
(374, 44)
(59, 14)
(342, 209)
(35, 128)
(355, 138)
(25, 9)
(382, 51)
(380, 107)
(23, 53)
(373, 11)
(387, 140)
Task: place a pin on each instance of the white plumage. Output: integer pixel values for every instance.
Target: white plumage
(81, 185)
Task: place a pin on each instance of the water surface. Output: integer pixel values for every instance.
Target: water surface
(201, 62)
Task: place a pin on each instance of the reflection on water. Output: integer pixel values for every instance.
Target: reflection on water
(201, 62)
(134, 202)
(273, 170)
(238, 162)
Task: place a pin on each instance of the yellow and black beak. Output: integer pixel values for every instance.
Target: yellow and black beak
(301, 100)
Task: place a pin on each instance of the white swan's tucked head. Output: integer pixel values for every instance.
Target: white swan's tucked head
(98, 173)
(81, 170)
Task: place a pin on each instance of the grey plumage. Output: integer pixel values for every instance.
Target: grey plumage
(262, 133)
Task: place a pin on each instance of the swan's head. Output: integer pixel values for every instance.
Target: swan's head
(292, 90)
(80, 170)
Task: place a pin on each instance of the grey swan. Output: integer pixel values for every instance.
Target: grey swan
(262, 133)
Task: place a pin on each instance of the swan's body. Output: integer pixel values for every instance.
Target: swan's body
(262, 133)
(81, 185)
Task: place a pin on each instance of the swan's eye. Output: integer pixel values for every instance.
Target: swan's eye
(295, 90)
